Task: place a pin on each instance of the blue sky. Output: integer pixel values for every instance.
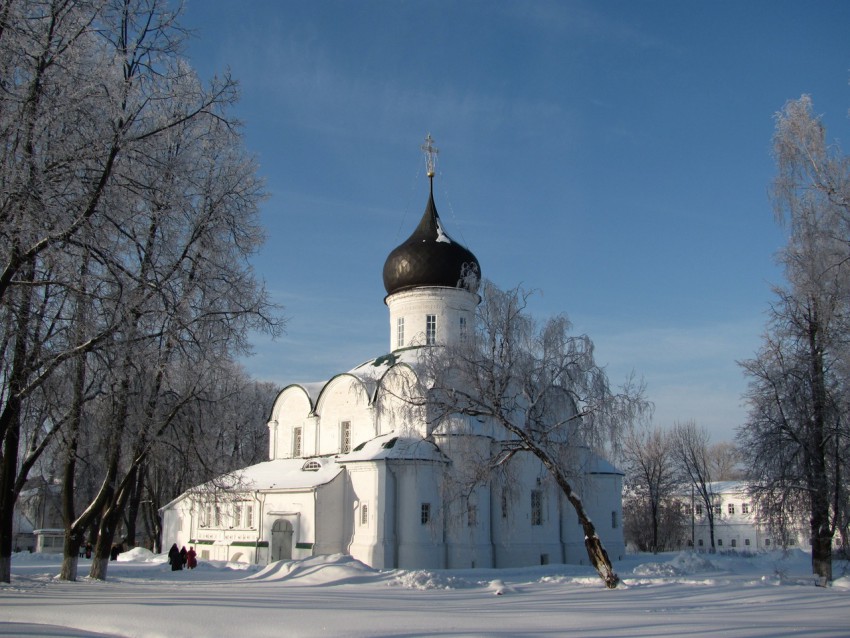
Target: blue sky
(614, 156)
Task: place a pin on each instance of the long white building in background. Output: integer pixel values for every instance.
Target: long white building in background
(352, 469)
(737, 525)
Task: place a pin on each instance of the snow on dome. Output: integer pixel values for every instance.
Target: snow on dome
(429, 257)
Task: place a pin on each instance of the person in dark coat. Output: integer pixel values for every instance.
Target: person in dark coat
(191, 558)
(183, 553)
(174, 558)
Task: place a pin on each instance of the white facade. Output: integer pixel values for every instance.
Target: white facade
(354, 469)
(737, 526)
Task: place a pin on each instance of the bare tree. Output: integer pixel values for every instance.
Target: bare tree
(796, 434)
(539, 388)
(653, 481)
(726, 462)
(692, 451)
(128, 210)
(220, 430)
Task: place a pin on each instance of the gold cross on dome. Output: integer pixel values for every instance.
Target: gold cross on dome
(430, 154)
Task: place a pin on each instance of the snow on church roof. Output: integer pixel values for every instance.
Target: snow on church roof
(287, 474)
(377, 367)
(598, 465)
(393, 446)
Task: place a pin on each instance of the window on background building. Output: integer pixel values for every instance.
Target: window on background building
(731, 508)
(471, 515)
(615, 522)
(217, 516)
(463, 329)
(249, 515)
(745, 508)
(364, 513)
(717, 510)
(399, 332)
(296, 442)
(766, 542)
(536, 507)
(734, 542)
(792, 541)
(430, 330)
(747, 542)
(425, 513)
(720, 542)
(237, 514)
(699, 542)
(345, 437)
(504, 505)
(699, 510)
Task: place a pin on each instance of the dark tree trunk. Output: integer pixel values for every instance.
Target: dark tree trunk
(595, 549)
(10, 429)
(821, 530)
(133, 506)
(108, 527)
(654, 511)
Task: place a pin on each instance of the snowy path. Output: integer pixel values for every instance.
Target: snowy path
(674, 596)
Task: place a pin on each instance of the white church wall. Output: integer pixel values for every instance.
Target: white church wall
(363, 493)
(601, 495)
(295, 509)
(418, 519)
(291, 410)
(467, 503)
(330, 523)
(176, 524)
(343, 400)
(526, 516)
(468, 531)
(395, 414)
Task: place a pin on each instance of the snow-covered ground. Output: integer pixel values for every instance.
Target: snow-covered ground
(666, 595)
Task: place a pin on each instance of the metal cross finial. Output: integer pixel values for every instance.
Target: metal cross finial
(430, 154)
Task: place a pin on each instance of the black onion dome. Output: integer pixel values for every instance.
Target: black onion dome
(430, 257)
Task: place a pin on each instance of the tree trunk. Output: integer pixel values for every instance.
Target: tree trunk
(595, 550)
(70, 554)
(73, 528)
(7, 500)
(109, 525)
(654, 511)
(10, 428)
(133, 506)
(821, 530)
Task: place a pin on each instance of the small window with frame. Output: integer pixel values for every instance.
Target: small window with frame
(345, 437)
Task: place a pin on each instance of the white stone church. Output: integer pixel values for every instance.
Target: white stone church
(354, 470)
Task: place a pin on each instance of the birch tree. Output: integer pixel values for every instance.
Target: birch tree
(796, 433)
(541, 388)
